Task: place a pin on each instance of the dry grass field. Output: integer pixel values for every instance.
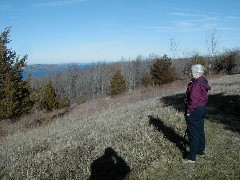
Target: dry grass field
(138, 135)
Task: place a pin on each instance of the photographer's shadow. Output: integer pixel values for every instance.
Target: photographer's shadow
(110, 166)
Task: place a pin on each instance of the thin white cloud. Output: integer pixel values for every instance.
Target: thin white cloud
(154, 27)
(184, 23)
(180, 9)
(226, 28)
(9, 17)
(58, 3)
(195, 20)
(4, 7)
(182, 14)
(200, 14)
(211, 18)
(10, 7)
(192, 21)
(232, 17)
(185, 26)
(159, 28)
(192, 12)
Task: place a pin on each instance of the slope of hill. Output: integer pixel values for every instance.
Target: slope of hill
(135, 136)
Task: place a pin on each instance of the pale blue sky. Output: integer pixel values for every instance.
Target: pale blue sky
(80, 31)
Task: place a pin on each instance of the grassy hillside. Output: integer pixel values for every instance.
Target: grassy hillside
(135, 136)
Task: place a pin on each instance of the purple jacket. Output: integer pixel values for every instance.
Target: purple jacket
(197, 94)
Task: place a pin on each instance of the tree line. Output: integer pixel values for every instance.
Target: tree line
(78, 85)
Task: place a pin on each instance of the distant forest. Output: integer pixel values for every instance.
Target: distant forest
(95, 81)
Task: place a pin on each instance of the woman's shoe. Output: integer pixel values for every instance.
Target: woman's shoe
(188, 161)
(201, 155)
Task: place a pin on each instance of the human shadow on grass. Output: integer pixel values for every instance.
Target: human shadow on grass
(221, 108)
(170, 134)
(110, 166)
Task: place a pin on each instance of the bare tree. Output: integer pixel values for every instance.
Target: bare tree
(173, 47)
(212, 46)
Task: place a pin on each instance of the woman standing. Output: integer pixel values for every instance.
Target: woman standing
(197, 98)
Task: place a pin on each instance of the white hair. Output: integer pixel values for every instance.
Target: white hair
(198, 68)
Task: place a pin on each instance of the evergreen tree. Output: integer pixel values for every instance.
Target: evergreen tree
(63, 102)
(27, 96)
(49, 101)
(147, 80)
(14, 92)
(226, 63)
(118, 83)
(162, 71)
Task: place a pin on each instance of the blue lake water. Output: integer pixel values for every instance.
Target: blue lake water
(41, 70)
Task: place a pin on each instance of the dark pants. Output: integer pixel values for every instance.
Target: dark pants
(196, 134)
